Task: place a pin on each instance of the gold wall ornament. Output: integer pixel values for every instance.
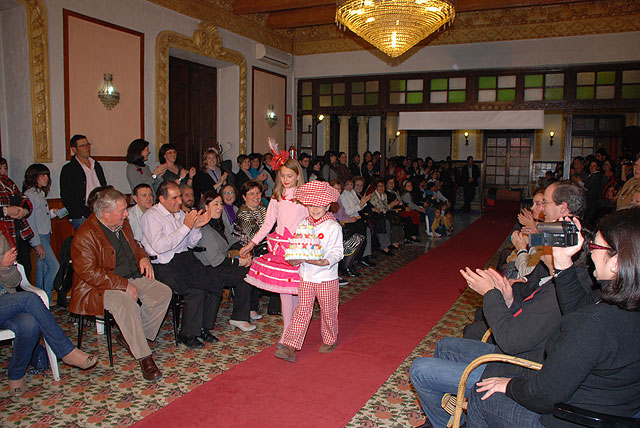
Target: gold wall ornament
(205, 41)
(37, 33)
(394, 26)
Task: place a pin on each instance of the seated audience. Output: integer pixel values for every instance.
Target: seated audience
(243, 175)
(142, 196)
(382, 225)
(112, 272)
(355, 207)
(631, 186)
(168, 233)
(230, 270)
(188, 198)
(592, 360)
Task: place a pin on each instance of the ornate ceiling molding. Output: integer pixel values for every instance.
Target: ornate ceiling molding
(205, 41)
(576, 19)
(37, 33)
(218, 12)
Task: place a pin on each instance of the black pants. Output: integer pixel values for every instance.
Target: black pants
(201, 290)
(469, 194)
(245, 295)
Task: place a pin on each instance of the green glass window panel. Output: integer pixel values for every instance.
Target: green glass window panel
(371, 99)
(554, 94)
(357, 87)
(414, 98)
(585, 93)
(307, 87)
(325, 89)
(631, 91)
(306, 103)
(439, 84)
(533, 80)
(506, 95)
(357, 99)
(325, 101)
(487, 82)
(397, 85)
(338, 100)
(606, 77)
(457, 96)
(372, 86)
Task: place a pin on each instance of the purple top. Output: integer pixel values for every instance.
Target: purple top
(230, 212)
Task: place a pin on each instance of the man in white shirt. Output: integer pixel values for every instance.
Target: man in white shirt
(142, 196)
(78, 178)
(167, 234)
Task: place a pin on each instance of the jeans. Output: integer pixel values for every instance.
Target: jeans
(46, 269)
(499, 411)
(77, 222)
(433, 377)
(26, 315)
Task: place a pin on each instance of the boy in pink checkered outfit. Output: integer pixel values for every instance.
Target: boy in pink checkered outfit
(319, 278)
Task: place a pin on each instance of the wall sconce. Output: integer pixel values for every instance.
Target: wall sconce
(466, 138)
(551, 134)
(320, 117)
(108, 94)
(272, 117)
(392, 142)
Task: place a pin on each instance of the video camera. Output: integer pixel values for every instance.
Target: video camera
(558, 234)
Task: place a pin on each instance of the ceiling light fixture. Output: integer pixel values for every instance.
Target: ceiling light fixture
(394, 26)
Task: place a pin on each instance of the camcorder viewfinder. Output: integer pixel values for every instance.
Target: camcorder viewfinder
(558, 234)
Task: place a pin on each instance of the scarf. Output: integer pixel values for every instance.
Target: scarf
(314, 222)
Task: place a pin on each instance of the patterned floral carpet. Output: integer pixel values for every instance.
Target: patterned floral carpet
(117, 396)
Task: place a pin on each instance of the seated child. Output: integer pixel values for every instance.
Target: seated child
(443, 222)
(318, 278)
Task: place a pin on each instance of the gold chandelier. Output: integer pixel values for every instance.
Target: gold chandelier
(394, 26)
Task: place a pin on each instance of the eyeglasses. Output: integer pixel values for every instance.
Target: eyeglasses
(593, 246)
(80, 146)
(230, 192)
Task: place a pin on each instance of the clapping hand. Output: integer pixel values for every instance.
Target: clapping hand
(9, 258)
(525, 218)
(478, 281)
(203, 218)
(159, 170)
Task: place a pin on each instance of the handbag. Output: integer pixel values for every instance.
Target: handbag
(352, 244)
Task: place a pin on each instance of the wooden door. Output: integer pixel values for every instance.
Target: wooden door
(508, 160)
(192, 109)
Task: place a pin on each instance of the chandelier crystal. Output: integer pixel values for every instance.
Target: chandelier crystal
(394, 26)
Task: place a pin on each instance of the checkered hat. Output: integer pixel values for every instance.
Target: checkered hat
(317, 194)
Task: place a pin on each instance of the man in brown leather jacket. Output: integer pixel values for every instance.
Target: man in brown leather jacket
(112, 271)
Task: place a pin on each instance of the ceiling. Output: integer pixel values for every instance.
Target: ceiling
(281, 14)
(305, 27)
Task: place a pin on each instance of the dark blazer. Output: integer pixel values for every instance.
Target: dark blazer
(73, 187)
(464, 176)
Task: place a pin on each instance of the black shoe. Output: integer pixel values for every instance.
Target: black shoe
(190, 341)
(208, 337)
(342, 282)
(352, 273)
(368, 262)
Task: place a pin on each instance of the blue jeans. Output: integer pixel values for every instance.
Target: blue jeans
(77, 222)
(26, 315)
(499, 411)
(433, 377)
(47, 268)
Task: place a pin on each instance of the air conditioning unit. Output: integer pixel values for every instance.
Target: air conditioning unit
(272, 56)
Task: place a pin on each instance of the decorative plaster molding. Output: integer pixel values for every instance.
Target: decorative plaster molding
(205, 41)
(218, 12)
(37, 32)
(576, 19)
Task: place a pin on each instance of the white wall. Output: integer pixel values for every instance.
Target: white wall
(517, 53)
(15, 101)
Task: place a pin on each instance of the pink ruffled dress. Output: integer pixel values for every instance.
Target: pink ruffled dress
(271, 271)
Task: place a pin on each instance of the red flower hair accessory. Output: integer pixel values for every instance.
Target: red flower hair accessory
(279, 156)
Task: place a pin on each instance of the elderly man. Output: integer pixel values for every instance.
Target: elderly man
(112, 272)
(168, 233)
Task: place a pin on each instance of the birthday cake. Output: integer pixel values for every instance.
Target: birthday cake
(304, 245)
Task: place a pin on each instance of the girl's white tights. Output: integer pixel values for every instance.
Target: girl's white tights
(289, 303)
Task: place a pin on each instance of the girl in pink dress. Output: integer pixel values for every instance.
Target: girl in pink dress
(272, 272)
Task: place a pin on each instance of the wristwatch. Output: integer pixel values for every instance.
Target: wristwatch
(154, 176)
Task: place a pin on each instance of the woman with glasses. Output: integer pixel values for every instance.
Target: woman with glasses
(168, 157)
(229, 196)
(592, 360)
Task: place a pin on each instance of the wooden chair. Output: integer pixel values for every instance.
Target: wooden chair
(8, 334)
(588, 418)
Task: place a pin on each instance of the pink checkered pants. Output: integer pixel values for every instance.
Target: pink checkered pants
(327, 294)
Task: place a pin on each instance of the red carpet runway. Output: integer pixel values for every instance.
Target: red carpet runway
(378, 329)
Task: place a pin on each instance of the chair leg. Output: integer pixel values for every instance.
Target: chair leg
(175, 306)
(107, 325)
(80, 327)
(53, 362)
